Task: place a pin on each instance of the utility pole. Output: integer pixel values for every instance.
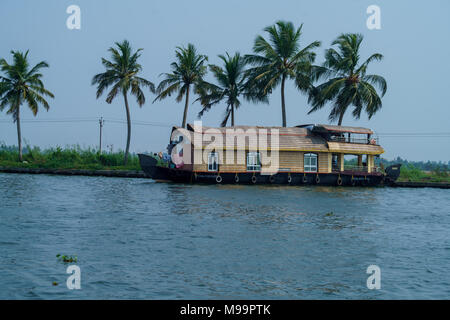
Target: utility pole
(101, 122)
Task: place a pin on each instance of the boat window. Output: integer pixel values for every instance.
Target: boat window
(310, 162)
(253, 161)
(213, 161)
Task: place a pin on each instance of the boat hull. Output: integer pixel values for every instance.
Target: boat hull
(153, 171)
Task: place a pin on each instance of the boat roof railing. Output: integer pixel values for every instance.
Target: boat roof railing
(328, 128)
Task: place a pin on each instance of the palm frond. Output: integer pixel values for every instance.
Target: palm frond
(20, 84)
(122, 74)
(346, 82)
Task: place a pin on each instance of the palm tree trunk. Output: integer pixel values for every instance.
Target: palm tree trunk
(341, 116)
(232, 115)
(186, 106)
(283, 106)
(129, 128)
(19, 133)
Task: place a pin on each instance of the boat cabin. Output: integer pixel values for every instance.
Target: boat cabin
(311, 148)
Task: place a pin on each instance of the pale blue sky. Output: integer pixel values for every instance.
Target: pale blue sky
(414, 40)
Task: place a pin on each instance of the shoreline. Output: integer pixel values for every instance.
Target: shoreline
(77, 172)
(141, 175)
(419, 184)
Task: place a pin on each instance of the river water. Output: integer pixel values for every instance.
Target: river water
(137, 239)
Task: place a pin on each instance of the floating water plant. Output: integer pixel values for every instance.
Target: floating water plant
(329, 214)
(66, 259)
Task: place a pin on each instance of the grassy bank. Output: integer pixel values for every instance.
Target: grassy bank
(410, 173)
(67, 158)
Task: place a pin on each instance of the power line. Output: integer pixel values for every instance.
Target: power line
(414, 133)
(161, 124)
(50, 120)
(111, 120)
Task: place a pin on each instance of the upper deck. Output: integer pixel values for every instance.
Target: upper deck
(343, 134)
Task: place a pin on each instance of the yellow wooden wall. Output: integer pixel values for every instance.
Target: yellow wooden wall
(324, 162)
(291, 161)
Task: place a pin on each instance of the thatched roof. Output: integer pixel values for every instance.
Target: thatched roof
(246, 137)
(281, 138)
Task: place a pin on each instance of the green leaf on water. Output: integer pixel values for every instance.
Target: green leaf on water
(67, 259)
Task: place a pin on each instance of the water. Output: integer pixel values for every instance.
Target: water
(138, 239)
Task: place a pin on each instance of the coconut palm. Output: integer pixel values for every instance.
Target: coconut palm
(347, 83)
(21, 84)
(232, 83)
(280, 58)
(122, 74)
(188, 71)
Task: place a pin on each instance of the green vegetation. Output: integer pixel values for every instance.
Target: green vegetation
(187, 71)
(280, 59)
(411, 173)
(19, 85)
(121, 74)
(346, 81)
(231, 84)
(66, 259)
(67, 158)
(415, 171)
(422, 165)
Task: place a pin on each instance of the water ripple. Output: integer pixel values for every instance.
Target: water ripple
(140, 239)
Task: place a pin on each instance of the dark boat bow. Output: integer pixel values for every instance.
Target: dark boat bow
(392, 174)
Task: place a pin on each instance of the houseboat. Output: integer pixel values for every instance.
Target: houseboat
(317, 154)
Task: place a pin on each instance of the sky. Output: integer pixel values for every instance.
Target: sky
(414, 39)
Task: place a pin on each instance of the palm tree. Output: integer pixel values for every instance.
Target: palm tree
(19, 85)
(122, 74)
(280, 59)
(347, 82)
(189, 69)
(232, 83)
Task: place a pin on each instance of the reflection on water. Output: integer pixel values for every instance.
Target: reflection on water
(140, 239)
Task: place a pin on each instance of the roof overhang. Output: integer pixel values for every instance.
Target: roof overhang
(355, 148)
